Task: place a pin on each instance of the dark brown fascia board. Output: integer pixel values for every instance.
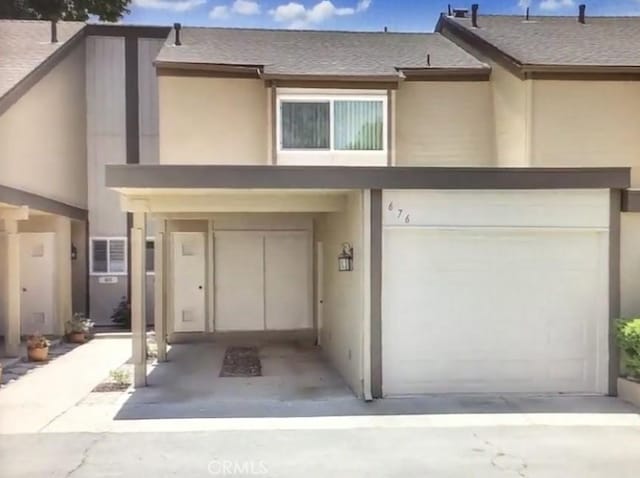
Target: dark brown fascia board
(169, 68)
(342, 78)
(631, 200)
(446, 74)
(17, 197)
(581, 73)
(120, 30)
(345, 177)
(24, 85)
(360, 85)
(476, 45)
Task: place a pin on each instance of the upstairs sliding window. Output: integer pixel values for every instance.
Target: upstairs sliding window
(332, 124)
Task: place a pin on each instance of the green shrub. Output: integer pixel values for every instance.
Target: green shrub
(629, 342)
(121, 377)
(122, 314)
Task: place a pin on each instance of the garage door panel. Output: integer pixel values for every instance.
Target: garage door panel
(497, 310)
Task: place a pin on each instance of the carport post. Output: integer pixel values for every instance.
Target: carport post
(138, 296)
(12, 287)
(160, 322)
(64, 307)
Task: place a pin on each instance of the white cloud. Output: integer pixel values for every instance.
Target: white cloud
(246, 7)
(288, 13)
(171, 5)
(363, 5)
(524, 3)
(553, 5)
(298, 16)
(218, 12)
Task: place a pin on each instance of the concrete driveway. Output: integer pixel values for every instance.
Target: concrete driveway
(163, 433)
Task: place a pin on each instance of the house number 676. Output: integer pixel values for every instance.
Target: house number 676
(402, 214)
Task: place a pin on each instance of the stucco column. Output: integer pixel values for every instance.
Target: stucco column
(160, 319)
(63, 299)
(12, 287)
(138, 296)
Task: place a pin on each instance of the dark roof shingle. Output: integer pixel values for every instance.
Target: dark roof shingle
(26, 44)
(316, 53)
(561, 41)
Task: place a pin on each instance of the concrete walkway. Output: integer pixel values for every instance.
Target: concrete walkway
(29, 404)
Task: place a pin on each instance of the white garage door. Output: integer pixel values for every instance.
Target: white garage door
(495, 291)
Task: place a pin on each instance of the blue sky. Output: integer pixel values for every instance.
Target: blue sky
(397, 15)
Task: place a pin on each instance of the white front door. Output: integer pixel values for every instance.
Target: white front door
(37, 265)
(189, 267)
(262, 280)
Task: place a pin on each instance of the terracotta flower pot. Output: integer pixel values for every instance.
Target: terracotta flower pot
(77, 337)
(38, 355)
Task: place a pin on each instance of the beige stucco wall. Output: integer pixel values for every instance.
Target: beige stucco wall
(42, 135)
(509, 95)
(341, 333)
(443, 123)
(587, 123)
(212, 120)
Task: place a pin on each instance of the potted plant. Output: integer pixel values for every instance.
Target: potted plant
(629, 342)
(37, 348)
(78, 328)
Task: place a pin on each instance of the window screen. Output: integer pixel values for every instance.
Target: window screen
(358, 125)
(305, 125)
(109, 256)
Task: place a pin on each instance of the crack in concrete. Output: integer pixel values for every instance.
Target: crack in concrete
(499, 456)
(85, 455)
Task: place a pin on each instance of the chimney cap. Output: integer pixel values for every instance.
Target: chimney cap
(460, 12)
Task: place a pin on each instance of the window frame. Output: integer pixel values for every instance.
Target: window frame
(331, 98)
(151, 239)
(108, 239)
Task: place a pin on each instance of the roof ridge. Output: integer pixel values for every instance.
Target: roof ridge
(288, 30)
(501, 15)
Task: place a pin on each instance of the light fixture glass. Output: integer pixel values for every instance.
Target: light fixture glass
(345, 259)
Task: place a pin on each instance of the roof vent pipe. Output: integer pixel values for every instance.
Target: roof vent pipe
(527, 15)
(54, 31)
(449, 10)
(474, 15)
(460, 12)
(177, 27)
(581, 15)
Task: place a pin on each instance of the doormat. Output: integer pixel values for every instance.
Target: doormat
(241, 362)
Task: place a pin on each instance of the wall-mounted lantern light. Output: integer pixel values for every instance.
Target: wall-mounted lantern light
(345, 259)
(74, 252)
